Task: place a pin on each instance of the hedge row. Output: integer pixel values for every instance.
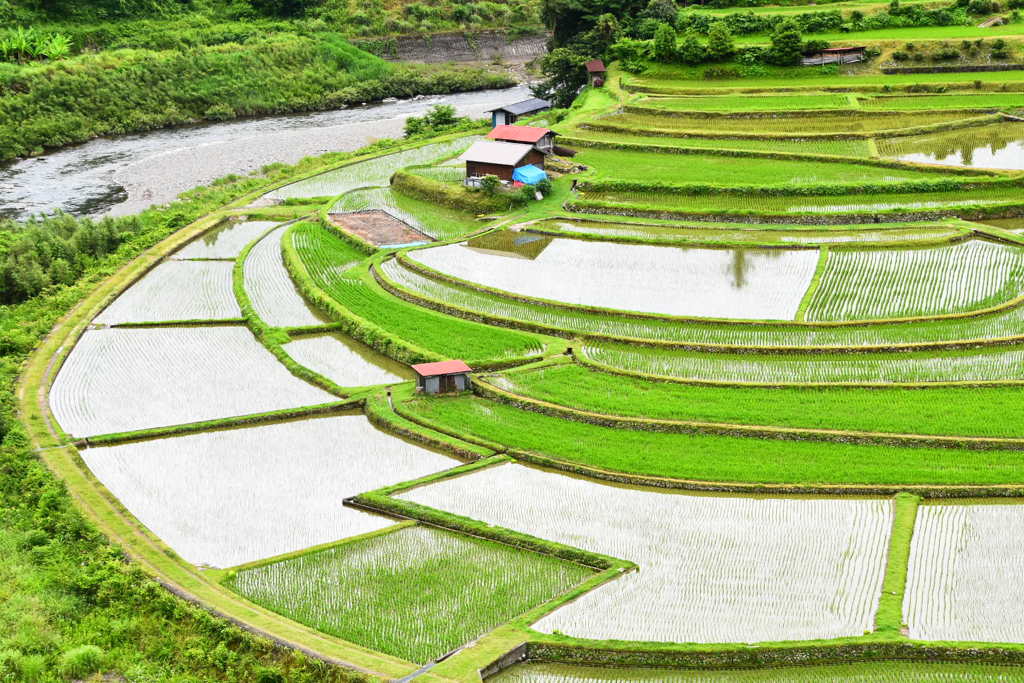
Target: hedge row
(453, 196)
(758, 154)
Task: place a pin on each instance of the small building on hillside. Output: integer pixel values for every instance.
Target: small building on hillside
(443, 377)
(543, 139)
(596, 72)
(836, 55)
(491, 157)
(511, 113)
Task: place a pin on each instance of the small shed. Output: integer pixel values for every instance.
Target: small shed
(491, 157)
(543, 139)
(443, 377)
(836, 55)
(596, 72)
(510, 113)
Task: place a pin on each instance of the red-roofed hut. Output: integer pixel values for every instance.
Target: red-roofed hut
(442, 377)
(596, 72)
(542, 139)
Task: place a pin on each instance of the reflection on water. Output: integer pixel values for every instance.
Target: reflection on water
(509, 243)
(137, 170)
(1000, 146)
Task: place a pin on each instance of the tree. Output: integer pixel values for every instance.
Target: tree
(665, 44)
(565, 75)
(662, 10)
(720, 44)
(567, 19)
(692, 50)
(787, 45)
(490, 184)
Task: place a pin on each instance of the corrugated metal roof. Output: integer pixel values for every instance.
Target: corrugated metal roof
(494, 152)
(525, 107)
(444, 367)
(529, 134)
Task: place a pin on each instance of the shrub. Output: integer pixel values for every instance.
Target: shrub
(720, 43)
(787, 46)
(490, 184)
(713, 73)
(82, 661)
(900, 56)
(664, 49)
(692, 50)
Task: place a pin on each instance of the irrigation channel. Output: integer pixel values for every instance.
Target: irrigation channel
(713, 448)
(123, 175)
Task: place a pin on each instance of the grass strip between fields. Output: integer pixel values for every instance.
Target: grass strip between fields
(889, 617)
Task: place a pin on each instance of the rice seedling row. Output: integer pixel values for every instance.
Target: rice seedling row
(640, 136)
(749, 102)
(122, 379)
(228, 497)
(996, 325)
(226, 240)
(176, 290)
(762, 284)
(966, 566)
(709, 457)
(961, 411)
(995, 101)
(373, 172)
(628, 165)
(789, 125)
(711, 569)
(355, 290)
(270, 288)
(894, 283)
(416, 593)
(345, 361)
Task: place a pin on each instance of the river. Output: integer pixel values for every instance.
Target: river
(124, 175)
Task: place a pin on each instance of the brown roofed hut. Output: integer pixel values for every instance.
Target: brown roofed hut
(491, 157)
(596, 72)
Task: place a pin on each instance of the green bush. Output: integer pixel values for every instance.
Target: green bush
(81, 661)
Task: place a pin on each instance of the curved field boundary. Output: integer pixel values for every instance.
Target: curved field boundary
(100, 507)
(428, 272)
(751, 153)
(488, 390)
(630, 86)
(788, 113)
(837, 190)
(541, 328)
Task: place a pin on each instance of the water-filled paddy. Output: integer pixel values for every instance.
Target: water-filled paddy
(717, 283)
(270, 287)
(176, 290)
(997, 146)
(127, 379)
(345, 361)
(225, 241)
(965, 572)
(712, 569)
(229, 497)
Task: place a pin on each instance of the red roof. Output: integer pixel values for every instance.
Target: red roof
(529, 134)
(444, 367)
(596, 66)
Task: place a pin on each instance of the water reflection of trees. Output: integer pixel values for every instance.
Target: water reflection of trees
(965, 143)
(743, 261)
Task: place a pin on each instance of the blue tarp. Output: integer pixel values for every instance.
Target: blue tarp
(529, 174)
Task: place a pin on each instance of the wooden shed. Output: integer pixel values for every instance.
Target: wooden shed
(492, 157)
(596, 72)
(836, 55)
(443, 377)
(510, 113)
(542, 139)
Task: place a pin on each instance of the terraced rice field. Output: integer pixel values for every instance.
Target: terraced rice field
(647, 137)
(686, 282)
(990, 101)
(415, 593)
(176, 290)
(345, 361)
(229, 497)
(749, 102)
(896, 283)
(226, 241)
(711, 570)
(998, 146)
(270, 287)
(118, 380)
(785, 126)
(373, 172)
(966, 566)
(431, 219)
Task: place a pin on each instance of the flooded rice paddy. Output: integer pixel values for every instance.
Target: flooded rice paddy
(999, 146)
(226, 241)
(716, 283)
(270, 288)
(966, 568)
(176, 290)
(712, 569)
(345, 361)
(228, 497)
(123, 379)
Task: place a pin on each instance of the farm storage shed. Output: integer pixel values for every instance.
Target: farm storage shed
(529, 175)
(510, 113)
(836, 55)
(490, 157)
(543, 139)
(442, 377)
(596, 72)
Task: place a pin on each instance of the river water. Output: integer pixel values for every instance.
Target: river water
(124, 175)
